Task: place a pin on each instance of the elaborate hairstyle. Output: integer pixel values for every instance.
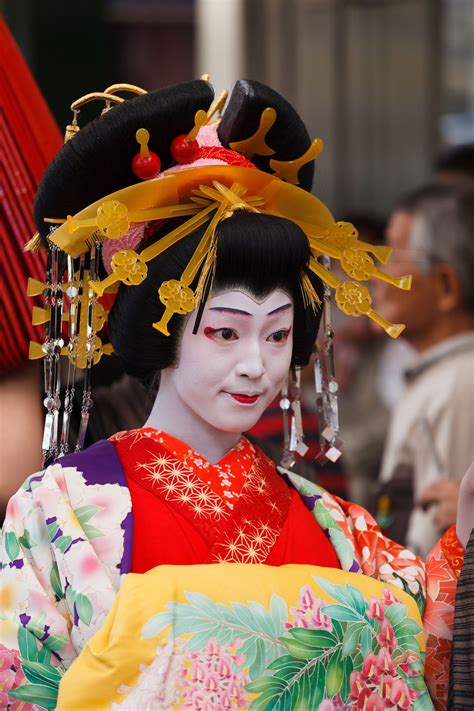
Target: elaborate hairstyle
(97, 161)
(256, 252)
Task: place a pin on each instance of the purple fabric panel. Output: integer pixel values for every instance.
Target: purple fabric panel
(309, 501)
(100, 464)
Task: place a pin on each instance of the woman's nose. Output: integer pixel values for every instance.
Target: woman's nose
(251, 362)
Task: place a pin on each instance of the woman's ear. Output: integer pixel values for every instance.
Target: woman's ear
(448, 288)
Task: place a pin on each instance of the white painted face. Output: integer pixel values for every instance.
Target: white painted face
(234, 366)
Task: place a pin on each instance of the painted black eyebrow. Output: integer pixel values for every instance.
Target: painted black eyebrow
(225, 309)
(280, 308)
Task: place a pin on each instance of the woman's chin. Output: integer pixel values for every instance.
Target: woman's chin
(236, 426)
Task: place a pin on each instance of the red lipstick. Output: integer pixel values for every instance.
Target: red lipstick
(246, 399)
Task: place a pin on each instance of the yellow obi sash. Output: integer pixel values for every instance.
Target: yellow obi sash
(235, 636)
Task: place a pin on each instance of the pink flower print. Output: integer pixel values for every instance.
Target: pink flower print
(307, 598)
(379, 686)
(385, 662)
(213, 648)
(339, 704)
(406, 666)
(367, 699)
(376, 610)
(401, 695)
(387, 638)
(210, 682)
(11, 676)
(386, 684)
(374, 703)
(224, 668)
(200, 671)
(370, 668)
(389, 597)
(326, 705)
(308, 614)
(357, 684)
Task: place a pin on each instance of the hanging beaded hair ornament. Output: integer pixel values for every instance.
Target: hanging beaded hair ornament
(206, 185)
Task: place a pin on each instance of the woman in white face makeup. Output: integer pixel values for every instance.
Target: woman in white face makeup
(262, 589)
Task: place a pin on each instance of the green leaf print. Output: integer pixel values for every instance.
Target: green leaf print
(12, 546)
(70, 597)
(56, 642)
(407, 628)
(313, 637)
(302, 651)
(396, 613)
(27, 645)
(84, 608)
(303, 689)
(347, 595)
(39, 673)
(44, 655)
(43, 696)
(351, 640)
(25, 540)
(341, 545)
(285, 666)
(263, 684)
(366, 641)
(91, 531)
(346, 681)
(341, 613)
(324, 518)
(37, 669)
(334, 674)
(55, 580)
(85, 513)
(259, 630)
(418, 597)
(416, 682)
(423, 702)
(63, 543)
(52, 529)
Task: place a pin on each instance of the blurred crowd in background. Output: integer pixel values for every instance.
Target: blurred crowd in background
(389, 86)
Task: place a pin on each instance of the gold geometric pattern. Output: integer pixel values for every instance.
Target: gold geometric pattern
(252, 541)
(248, 544)
(178, 484)
(256, 482)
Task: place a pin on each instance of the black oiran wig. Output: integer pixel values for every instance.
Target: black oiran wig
(257, 253)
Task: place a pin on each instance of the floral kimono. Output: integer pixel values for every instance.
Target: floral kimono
(212, 611)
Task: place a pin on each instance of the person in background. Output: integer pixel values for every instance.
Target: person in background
(430, 439)
(369, 374)
(454, 165)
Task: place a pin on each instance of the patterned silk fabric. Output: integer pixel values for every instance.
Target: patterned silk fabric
(232, 637)
(68, 544)
(239, 510)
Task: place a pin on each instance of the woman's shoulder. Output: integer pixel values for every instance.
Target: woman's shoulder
(65, 477)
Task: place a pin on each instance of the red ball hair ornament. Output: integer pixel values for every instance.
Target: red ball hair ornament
(184, 148)
(146, 164)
